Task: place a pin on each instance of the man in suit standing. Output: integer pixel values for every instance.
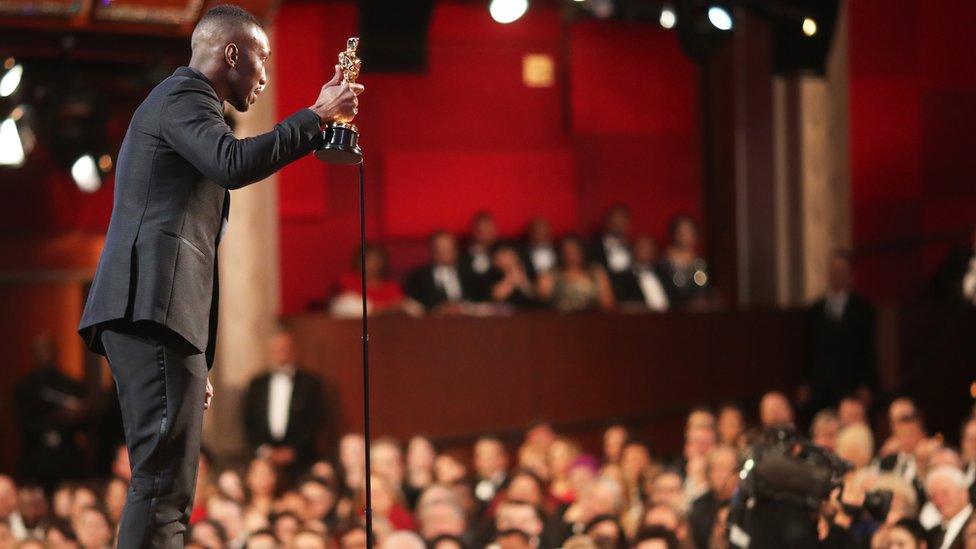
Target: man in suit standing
(284, 409)
(152, 308)
(841, 357)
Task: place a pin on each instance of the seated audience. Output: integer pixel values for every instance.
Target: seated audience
(775, 410)
(383, 294)
(946, 489)
(538, 253)
(731, 425)
(612, 248)
(723, 476)
(682, 270)
(509, 282)
(641, 285)
(841, 358)
(823, 429)
(476, 261)
(898, 454)
(284, 409)
(441, 285)
(576, 285)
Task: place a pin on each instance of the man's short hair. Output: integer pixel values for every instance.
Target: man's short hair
(229, 14)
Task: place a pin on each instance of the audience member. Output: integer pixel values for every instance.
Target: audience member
(383, 293)
(682, 270)
(51, 415)
(956, 279)
(576, 285)
(824, 428)
(841, 358)
(440, 286)
(612, 247)
(641, 285)
(775, 410)
(509, 282)
(946, 488)
(723, 474)
(476, 261)
(731, 425)
(284, 409)
(539, 251)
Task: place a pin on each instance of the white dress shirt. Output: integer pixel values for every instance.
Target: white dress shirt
(650, 285)
(835, 303)
(280, 389)
(543, 258)
(618, 256)
(446, 278)
(953, 527)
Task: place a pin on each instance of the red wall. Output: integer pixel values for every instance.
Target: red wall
(913, 110)
(620, 124)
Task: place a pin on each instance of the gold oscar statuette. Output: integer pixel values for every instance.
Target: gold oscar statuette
(340, 140)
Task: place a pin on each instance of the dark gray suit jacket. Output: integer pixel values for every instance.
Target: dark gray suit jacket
(176, 165)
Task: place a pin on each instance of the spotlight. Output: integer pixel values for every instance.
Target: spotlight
(85, 173)
(11, 147)
(720, 18)
(809, 26)
(668, 17)
(11, 78)
(507, 11)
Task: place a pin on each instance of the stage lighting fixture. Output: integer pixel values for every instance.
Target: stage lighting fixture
(668, 17)
(720, 18)
(16, 137)
(85, 173)
(11, 147)
(11, 77)
(809, 26)
(507, 11)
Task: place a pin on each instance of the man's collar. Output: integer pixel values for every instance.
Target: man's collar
(194, 73)
(287, 369)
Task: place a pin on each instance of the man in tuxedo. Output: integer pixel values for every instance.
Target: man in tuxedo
(152, 308)
(284, 410)
(441, 282)
(612, 247)
(947, 490)
(538, 253)
(722, 471)
(907, 432)
(841, 358)
(476, 260)
(641, 284)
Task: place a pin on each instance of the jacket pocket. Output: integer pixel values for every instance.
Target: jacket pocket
(185, 241)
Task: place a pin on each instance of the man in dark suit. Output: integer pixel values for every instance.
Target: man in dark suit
(284, 409)
(51, 414)
(612, 247)
(946, 489)
(152, 308)
(955, 281)
(440, 284)
(841, 357)
(476, 263)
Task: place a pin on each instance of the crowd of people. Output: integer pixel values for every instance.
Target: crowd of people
(545, 492)
(613, 270)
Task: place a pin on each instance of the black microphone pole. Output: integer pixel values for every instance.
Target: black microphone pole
(362, 271)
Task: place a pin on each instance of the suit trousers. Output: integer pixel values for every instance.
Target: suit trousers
(162, 385)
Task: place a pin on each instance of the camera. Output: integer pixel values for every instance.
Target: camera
(785, 480)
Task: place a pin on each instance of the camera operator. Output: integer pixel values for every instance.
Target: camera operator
(795, 494)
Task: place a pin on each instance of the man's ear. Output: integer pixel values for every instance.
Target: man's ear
(230, 54)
